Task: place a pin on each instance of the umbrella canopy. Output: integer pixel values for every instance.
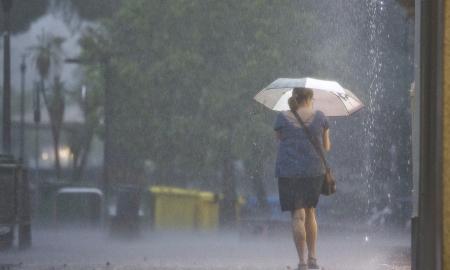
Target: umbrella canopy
(329, 96)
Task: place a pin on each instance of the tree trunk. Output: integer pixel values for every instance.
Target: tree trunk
(76, 156)
(55, 135)
(55, 109)
(84, 156)
(81, 159)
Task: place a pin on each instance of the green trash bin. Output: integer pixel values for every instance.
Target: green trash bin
(126, 221)
(78, 206)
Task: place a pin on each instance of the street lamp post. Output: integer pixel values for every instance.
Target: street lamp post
(23, 69)
(7, 5)
(107, 125)
(37, 120)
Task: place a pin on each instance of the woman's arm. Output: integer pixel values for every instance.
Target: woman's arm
(326, 139)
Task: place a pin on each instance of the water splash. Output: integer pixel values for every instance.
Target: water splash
(375, 9)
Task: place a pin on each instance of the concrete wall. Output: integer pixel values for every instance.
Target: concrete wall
(446, 138)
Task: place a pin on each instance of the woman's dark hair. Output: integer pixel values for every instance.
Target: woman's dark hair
(299, 95)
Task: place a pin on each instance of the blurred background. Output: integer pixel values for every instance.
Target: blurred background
(139, 115)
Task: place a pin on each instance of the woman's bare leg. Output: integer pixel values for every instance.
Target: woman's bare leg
(299, 232)
(311, 231)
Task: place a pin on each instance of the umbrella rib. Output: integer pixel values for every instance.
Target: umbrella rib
(349, 113)
(346, 108)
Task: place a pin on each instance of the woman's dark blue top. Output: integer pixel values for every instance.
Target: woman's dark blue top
(296, 155)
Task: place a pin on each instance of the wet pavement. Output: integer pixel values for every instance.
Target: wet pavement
(71, 249)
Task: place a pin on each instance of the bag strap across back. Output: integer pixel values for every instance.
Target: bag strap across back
(312, 139)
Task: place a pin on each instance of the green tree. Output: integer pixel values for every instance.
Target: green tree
(184, 79)
(95, 60)
(186, 71)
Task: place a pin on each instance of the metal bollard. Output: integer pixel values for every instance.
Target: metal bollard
(8, 200)
(24, 210)
(14, 204)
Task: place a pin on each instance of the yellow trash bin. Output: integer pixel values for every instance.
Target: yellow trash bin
(207, 211)
(240, 201)
(184, 209)
(174, 208)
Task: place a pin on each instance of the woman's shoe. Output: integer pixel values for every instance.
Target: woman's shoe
(312, 264)
(302, 267)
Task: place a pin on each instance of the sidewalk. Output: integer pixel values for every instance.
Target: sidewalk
(93, 250)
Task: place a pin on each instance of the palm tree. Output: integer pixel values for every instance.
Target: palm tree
(47, 57)
(55, 105)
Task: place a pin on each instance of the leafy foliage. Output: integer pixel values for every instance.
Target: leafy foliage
(24, 13)
(191, 70)
(92, 10)
(185, 72)
(47, 53)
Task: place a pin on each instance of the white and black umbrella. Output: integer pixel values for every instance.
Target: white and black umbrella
(329, 96)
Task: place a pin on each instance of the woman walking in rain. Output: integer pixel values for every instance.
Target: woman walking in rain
(300, 170)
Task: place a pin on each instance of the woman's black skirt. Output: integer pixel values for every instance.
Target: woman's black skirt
(299, 192)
